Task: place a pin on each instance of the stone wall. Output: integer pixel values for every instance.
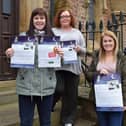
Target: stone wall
(102, 11)
(26, 7)
(77, 7)
(115, 7)
(46, 5)
(79, 11)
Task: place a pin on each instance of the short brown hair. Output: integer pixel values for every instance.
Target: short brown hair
(57, 18)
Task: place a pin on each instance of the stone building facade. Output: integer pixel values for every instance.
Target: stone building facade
(83, 10)
(104, 10)
(77, 7)
(80, 11)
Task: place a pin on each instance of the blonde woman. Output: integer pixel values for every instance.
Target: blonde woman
(106, 61)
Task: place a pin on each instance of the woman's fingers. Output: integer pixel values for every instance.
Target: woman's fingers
(9, 52)
(58, 51)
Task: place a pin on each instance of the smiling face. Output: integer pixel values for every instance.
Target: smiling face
(65, 19)
(39, 22)
(108, 43)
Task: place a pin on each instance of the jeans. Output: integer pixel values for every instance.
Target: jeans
(27, 107)
(110, 118)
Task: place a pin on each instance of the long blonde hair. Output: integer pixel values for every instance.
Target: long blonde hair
(102, 51)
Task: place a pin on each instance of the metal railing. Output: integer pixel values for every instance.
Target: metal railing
(92, 36)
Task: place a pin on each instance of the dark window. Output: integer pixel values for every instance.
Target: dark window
(6, 7)
(91, 17)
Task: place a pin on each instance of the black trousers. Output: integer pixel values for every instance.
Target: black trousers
(59, 89)
(69, 96)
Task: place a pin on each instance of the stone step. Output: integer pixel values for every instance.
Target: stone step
(9, 114)
(9, 107)
(7, 97)
(7, 92)
(4, 85)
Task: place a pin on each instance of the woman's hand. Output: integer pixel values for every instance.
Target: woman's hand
(59, 51)
(124, 108)
(77, 48)
(9, 52)
(104, 71)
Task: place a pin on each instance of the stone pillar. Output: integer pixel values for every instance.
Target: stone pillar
(26, 7)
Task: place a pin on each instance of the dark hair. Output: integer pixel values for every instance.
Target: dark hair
(57, 18)
(47, 28)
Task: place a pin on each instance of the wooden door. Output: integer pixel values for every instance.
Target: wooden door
(9, 25)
